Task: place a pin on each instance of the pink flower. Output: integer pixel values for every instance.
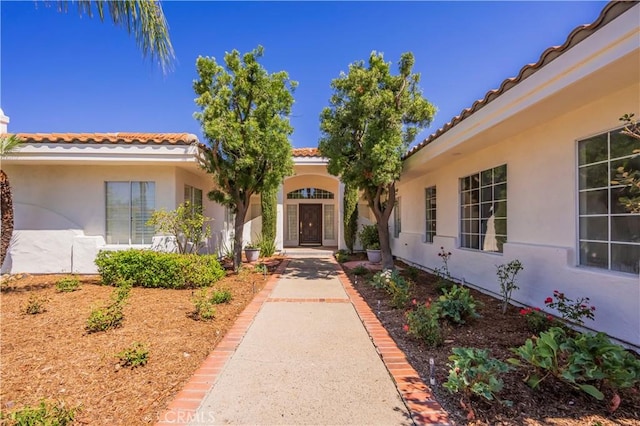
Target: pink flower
(556, 292)
(414, 302)
(593, 308)
(524, 311)
(405, 327)
(548, 300)
(549, 317)
(536, 309)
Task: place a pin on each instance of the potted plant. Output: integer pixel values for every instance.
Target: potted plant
(371, 242)
(252, 252)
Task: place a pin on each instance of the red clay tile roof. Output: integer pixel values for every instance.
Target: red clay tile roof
(306, 152)
(110, 138)
(611, 11)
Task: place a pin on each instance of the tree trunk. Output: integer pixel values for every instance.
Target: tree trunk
(382, 218)
(6, 209)
(385, 244)
(238, 228)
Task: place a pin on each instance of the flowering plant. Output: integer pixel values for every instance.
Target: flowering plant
(537, 321)
(444, 271)
(571, 310)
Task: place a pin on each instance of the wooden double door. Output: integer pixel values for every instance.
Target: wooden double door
(310, 224)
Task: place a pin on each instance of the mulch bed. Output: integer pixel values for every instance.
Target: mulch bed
(553, 403)
(50, 356)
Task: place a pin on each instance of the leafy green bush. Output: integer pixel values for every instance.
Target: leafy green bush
(350, 215)
(186, 224)
(473, 372)
(412, 273)
(457, 305)
(137, 355)
(221, 296)
(369, 237)
(266, 245)
(146, 268)
(269, 210)
(586, 362)
(68, 284)
(571, 310)
(393, 283)
(360, 270)
(35, 305)
(537, 321)
(341, 256)
(45, 414)
(423, 323)
(204, 308)
(111, 315)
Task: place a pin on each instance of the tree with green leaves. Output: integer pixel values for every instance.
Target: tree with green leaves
(350, 215)
(8, 144)
(628, 173)
(269, 208)
(372, 119)
(244, 114)
(142, 18)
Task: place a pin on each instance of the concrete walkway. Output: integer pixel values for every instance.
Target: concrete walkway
(302, 353)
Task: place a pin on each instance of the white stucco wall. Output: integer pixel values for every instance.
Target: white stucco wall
(60, 211)
(542, 216)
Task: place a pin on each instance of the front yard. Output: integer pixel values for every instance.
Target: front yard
(51, 356)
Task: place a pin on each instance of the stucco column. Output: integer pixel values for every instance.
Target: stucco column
(280, 219)
(4, 121)
(341, 244)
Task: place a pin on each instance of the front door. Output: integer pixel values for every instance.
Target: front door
(310, 224)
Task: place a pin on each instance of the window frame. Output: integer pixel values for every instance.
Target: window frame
(130, 213)
(469, 222)
(609, 241)
(397, 218)
(430, 205)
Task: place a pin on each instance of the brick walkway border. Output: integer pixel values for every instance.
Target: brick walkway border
(417, 396)
(182, 409)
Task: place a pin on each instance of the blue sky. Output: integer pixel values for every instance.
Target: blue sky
(66, 73)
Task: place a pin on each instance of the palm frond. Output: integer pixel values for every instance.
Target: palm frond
(142, 18)
(8, 143)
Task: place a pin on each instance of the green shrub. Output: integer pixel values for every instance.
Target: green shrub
(68, 284)
(457, 305)
(423, 323)
(266, 245)
(35, 305)
(137, 355)
(221, 296)
(473, 372)
(412, 273)
(269, 207)
(537, 321)
(350, 215)
(369, 237)
(186, 224)
(45, 414)
(393, 283)
(204, 308)
(360, 270)
(586, 361)
(111, 315)
(146, 268)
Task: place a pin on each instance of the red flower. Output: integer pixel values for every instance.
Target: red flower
(548, 300)
(405, 327)
(556, 292)
(593, 308)
(549, 317)
(536, 309)
(524, 311)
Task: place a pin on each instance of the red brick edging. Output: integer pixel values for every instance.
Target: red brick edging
(417, 396)
(182, 410)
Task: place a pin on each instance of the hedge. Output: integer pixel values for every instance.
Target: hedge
(146, 268)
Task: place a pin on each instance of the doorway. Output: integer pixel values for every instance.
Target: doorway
(310, 224)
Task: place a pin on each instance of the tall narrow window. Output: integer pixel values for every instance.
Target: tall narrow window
(397, 220)
(129, 205)
(292, 222)
(483, 210)
(609, 211)
(329, 227)
(430, 213)
(194, 197)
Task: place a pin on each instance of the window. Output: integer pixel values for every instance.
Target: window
(329, 219)
(292, 222)
(430, 213)
(194, 197)
(310, 194)
(609, 222)
(129, 205)
(397, 220)
(483, 210)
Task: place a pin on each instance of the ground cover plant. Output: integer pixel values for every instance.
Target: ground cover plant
(555, 401)
(58, 361)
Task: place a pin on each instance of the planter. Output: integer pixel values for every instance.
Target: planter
(252, 255)
(374, 256)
